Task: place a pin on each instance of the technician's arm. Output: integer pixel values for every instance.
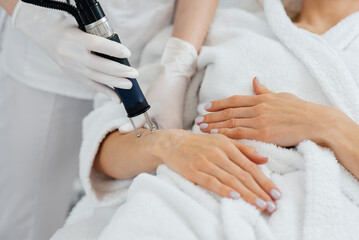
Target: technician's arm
(179, 63)
(193, 19)
(8, 5)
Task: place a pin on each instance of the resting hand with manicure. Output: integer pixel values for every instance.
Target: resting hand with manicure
(285, 120)
(215, 162)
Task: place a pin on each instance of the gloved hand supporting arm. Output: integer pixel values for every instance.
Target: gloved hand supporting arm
(179, 62)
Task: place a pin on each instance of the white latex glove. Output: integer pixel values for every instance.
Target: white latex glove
(58, 34)
(166, 95)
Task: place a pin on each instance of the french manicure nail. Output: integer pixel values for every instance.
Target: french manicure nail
(203, 125)
(214, 131)
(270, 206)
(208, 106)
(199, 119)
(235, 195)
(275, 194)
(260, 203)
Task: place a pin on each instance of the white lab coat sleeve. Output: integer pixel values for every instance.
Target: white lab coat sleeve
(104, 119)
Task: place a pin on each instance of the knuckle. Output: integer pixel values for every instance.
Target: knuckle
(238, 132)
(258, 109)
(252, 167)
(268, 184)
(199, 162)
(231, 123)
(216, 152)
(228, 113)
(245, 177)
(210, 182)
(265, 97)
(263, 107)
(208, 117)
(234, 99)
(230, 180)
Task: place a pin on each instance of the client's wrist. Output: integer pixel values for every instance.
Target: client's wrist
(167, 141)
(335, 129)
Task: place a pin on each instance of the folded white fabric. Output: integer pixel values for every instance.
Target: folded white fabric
(320, 198)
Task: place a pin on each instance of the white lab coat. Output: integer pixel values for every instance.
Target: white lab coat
(41, 111)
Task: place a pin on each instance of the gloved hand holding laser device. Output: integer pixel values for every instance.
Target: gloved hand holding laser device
(167, 93)
(70, 48)
(91, 58)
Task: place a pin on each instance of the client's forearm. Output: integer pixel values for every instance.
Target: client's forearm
(342, 137)
(124, 156)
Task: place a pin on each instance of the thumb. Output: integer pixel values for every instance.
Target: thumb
(259, 88)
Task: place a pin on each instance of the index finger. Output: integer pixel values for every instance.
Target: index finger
(232, 102)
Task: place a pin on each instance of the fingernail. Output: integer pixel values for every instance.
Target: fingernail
(260, 203)
(235, 195)
(275, 194)
(258, 80)
(214, 131)
(208, 106)
(270, 206)
(203, 125)
(199, 119)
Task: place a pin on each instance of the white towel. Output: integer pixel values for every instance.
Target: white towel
(320, 198)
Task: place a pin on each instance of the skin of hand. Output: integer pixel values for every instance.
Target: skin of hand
(215, 162)
(285, 120)
(279, 118)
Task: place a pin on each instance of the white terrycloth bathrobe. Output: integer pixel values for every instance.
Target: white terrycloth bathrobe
(320, 198)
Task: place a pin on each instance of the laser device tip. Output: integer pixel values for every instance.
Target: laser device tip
(151, 124)
(138, 134)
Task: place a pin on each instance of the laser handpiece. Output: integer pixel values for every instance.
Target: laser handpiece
(92, 19)
(96, 23)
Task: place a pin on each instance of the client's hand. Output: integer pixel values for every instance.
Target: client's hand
(222, 165)
(279, 118)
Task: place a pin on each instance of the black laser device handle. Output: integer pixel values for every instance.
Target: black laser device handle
(133, 99)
